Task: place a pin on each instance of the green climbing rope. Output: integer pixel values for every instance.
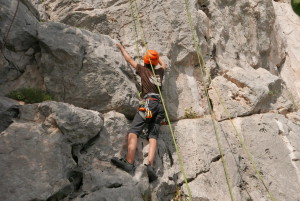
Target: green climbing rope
(164, 105)
(201, 60)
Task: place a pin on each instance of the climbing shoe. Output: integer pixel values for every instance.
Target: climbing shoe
(123, 164)
(151, 173)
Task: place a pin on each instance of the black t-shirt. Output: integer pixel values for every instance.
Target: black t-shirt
(149, 84)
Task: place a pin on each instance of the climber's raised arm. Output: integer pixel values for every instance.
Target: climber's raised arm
(162, 63)
(126, 56)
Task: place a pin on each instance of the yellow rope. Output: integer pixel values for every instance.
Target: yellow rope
(136, 35)
(140, 25)
(200, 58)
(164, 106)
(243, 144)
(208, 101)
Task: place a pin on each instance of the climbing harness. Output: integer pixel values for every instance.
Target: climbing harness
(164, 106)
(144, 110)
(201, 61)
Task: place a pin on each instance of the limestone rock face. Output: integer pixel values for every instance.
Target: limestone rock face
(73, 65)
(57, 151)
(18, 47)
(271, 139)
(101, 180)
(246, 91)
(37, 150)
(250, 40)
(295, 117)
(86, 69)
(243, 34)
(253, 41)
(289, 24)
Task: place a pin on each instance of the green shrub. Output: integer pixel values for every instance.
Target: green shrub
(30, 95)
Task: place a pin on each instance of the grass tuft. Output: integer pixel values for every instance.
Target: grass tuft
(29, 95)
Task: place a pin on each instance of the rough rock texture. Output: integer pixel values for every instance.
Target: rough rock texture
(71, 64)
(100, 180)
(56, 151)
(272, 140)
(18, 47)
(295, 117)
(234, 33)
(289, 24)
(219, 43)
(37, 150)
(8, 111)
(246, 91)
(86, 69)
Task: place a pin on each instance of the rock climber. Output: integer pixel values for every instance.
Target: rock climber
(150, 112)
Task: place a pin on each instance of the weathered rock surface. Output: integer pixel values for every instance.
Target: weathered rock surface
(73, 65)
(276, 157)
(246, 91)
(36, 151)
(242, 34)
(86, 69)
(55, 151)
(289, 24)
(8, 111)
(18, 47)
(77, 166)
(295, 117)
(101, 180)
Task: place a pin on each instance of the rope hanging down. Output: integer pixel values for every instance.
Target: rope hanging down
(135, 31)
(163, 103)
(201, 60)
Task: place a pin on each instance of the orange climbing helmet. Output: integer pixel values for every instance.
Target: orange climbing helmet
(153, 56)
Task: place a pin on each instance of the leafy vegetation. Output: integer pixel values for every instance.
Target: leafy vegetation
(30, 95)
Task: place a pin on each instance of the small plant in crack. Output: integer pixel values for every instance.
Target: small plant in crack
(274, 92)
(189, 113)
(179, 196)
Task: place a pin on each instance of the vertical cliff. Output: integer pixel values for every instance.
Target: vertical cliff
(60, 150)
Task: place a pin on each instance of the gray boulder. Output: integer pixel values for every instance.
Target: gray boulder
(36, 151)
(246, 91)
(8, 110)
(272, 141)
(101, 179)
(86, 69)
(18, 46)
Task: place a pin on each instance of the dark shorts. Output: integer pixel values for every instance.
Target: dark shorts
(153, 124)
